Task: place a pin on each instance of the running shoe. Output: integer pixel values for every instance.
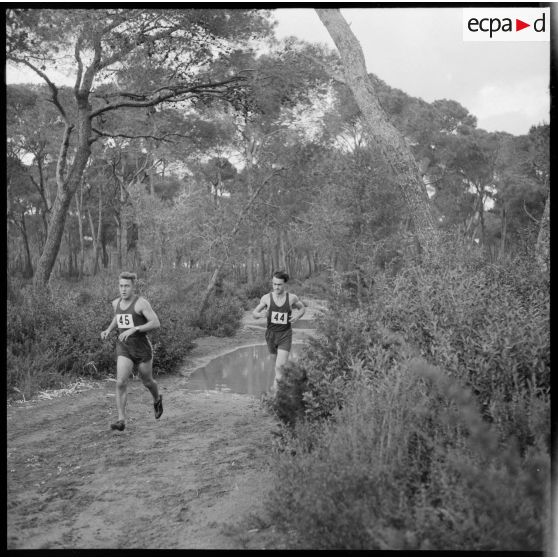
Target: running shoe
(118, 425)
(158, 406)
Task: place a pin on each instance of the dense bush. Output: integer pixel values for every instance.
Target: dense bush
(350, 342)
(409, 464)
(450, 451)
(51, 338)
(485, 324)
(222, 317)
(54, 337)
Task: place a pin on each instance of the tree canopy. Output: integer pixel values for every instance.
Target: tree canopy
(178, 117)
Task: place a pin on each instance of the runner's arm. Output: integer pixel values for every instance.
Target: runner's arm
(111, 326)
(297, 305)
(143, 307)
(106, 332)
(257, 313)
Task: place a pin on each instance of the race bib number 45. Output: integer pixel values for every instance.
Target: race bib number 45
(125, 321)
(279, 318)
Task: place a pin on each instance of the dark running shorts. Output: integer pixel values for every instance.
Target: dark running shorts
(137, 349)
(279, 340)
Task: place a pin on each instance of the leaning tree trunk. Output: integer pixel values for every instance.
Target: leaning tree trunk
(28, 272)
(542, 248)
(390, 142)
(66, 188)
(217, 272)
(52, 244)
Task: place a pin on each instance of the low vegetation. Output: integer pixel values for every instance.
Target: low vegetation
(420, 418)
(53, 337)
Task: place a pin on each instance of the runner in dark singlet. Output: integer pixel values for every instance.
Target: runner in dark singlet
(277, 307)
(133, 316)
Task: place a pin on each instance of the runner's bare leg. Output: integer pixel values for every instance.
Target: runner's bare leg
(280, 361)
(124, 368)
(145, 370)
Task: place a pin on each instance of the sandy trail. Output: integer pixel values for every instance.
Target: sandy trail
(197, 478)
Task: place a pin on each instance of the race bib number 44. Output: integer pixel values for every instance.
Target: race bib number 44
(125, 321)
(279, 318)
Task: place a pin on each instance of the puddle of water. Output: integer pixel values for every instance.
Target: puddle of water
(305, 324)
(301, 324)
(247, 370)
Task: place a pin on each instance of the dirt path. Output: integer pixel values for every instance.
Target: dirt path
(195, 479)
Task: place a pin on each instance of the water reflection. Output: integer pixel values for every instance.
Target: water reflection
(305, 324)
(246, 370)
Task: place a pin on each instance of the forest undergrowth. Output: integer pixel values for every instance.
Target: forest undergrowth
(419, 419)
(53, 336)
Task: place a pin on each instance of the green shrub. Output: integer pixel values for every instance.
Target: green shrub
(349, 342)
(409, 464)
(288, 404)
(174, 339)
(486, 325)
(386, 452)
(54, 336)
(222, 317)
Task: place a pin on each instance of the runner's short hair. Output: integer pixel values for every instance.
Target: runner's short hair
(127, 275)
(281, 275)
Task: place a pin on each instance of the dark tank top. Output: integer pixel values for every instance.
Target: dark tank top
(125, 319)
(278, 316)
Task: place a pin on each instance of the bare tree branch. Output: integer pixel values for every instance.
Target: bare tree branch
(537, 221)
(173, 92)
(147, 136)
(53, 88)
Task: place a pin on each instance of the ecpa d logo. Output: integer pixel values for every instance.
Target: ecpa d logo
(506, 24)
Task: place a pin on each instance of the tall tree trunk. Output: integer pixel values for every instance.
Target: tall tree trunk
(276, 265)
(42, 189)
(53, 240)
(79, 203)
(67, 185)
(106, 258)
(503, 231)
(99, 230)
(95, 255)
(96, 235)
(282, 251)
(118, 219)
(263, 271)
(28, 271)
(542, 248)
(392, 145)
(482, 225)
(123, 257)
(250, 263)
(309, 260)
(250, 156)
(209, 289)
